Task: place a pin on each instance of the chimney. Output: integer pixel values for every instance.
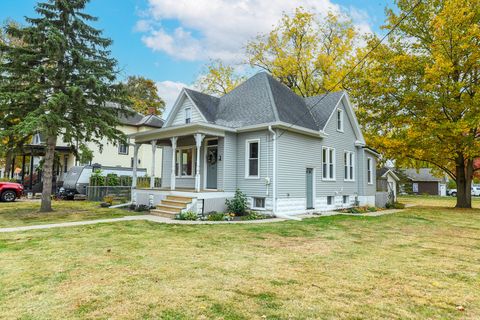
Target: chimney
(152, 111)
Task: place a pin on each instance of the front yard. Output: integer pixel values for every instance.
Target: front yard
(421, 263)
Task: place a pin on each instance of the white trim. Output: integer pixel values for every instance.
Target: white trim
(334, 162)
(395, 177)
(205, 148)
(342, 120)
(370, 169)
(177, 105)
(194, 153)
(349, 164)
(247, 158)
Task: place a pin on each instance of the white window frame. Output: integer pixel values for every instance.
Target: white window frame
(120, 145)
(188, 115)
(254, 207)
(180, 149)
(330, 175)
(349, 165)
(369, 170)
(340, 120)
(247, 159)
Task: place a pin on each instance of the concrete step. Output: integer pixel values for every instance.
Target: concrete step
(167, 208)
(164, 214)
(174, 203)
(178, 198)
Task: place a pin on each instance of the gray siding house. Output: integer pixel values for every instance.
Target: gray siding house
(289, 155)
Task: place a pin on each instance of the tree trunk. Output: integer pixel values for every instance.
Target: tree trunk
(8, 163)
(46, 205)
(464, 173)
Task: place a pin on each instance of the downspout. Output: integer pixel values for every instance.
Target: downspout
(274, 170)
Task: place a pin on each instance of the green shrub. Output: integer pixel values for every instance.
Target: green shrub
(238, 204)
(187, 215)
(112, 180)
(371, 209)
(254, 215)
(7, 180)
(395, 205)
(108, 199)
(96, 179)
(218, 216)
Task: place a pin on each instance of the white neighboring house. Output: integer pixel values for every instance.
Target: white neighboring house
(111, 155)
(387, 181)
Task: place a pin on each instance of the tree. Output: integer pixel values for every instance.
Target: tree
(418, 93)
(68, 78)
(308, 55)
(218, 79)
(143, 95)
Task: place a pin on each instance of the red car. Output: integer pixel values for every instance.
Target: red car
(9, 191)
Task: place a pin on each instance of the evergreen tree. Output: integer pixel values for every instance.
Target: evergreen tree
(68, 81)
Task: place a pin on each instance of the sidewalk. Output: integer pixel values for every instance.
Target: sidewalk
(157, 219)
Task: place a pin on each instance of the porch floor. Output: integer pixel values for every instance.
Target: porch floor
(181, 190)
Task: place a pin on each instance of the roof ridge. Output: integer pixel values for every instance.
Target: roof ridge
(270, 95)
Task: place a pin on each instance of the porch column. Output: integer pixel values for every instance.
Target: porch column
(198, 140)
(152, 177)
(135, 165)
(174, 152)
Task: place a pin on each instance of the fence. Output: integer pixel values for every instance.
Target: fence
(97, 193)
(112, 180)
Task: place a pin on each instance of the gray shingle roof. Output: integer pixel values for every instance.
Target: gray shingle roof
(422, 175)
(263, 99)
(137, 119)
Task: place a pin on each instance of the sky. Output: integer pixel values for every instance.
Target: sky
(170, 41)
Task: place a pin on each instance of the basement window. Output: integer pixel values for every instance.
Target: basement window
(258, 203)
(346, 199)
(329, 200)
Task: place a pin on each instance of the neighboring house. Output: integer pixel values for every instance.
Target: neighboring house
(423, 181)
(111, 155)
(387, 181)
(287, 154)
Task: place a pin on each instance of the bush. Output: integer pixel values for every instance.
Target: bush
(218, 216)
(238, 204)
(7, 180)
(254, 215)
(395, 205)
(96, 179)
(108, 199)
(112, 180)
(187, 215)
(372, 209)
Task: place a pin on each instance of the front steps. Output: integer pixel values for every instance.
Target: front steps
(171, 206)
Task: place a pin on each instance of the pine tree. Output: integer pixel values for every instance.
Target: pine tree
(69, 81)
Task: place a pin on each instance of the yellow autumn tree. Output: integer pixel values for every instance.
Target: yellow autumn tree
(307, 53)
(218, 79)
(418, 94)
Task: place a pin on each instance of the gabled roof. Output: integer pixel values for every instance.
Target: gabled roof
(262, 99)
(422, 175)
(384, 171)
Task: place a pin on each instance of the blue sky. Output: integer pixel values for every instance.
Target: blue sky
(169, 41)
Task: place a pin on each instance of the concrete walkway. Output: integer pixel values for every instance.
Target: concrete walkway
(157, 219)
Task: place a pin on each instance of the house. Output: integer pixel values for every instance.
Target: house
(112, 155)
(423, 181)
(387, 181)
(287, 154)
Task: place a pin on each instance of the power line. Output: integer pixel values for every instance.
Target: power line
(354, 67)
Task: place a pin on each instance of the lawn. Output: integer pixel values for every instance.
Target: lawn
(26, 213)
(420, 263)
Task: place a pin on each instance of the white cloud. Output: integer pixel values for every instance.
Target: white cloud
(218, 29)
(168, 91)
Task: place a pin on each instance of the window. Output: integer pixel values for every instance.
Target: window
(188, 115)
(328, 163)
(184, 162)
(369, 171)
(65, 163)
(349, 163)
(122, 148)
(340, 120)
(346, 199)
(329, 200)
(253, 157)
(259, 203)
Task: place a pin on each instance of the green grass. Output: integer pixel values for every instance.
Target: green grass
(26, 213)
(435, 201)
(420, 263)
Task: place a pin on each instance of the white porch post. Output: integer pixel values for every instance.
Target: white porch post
(198, 140)
(134, 171)
(152, 177)
(174, 151)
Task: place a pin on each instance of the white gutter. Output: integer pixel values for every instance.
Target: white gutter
(274, 169)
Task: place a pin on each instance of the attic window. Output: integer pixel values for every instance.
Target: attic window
(340, 120)
(188, 115)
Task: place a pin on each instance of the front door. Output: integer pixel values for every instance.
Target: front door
(212, 158)
(309, 188)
